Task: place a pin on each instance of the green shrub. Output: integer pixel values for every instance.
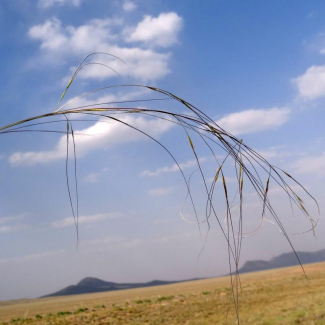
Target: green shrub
(162, 298)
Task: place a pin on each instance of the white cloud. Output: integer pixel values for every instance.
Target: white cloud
(311, 165)
(85, 219)
(129, 6)
(102, 35)
(50, 34)
(74, 40)
(254, 120)
(311, 84)
(50, 3)
(101, 135)
(161, 191)
(158, 31)
(172, 169)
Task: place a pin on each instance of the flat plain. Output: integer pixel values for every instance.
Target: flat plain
(281, 296)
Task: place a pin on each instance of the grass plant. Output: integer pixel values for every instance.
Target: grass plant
(250, 168)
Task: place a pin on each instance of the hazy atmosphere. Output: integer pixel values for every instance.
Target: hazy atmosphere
(257, 68)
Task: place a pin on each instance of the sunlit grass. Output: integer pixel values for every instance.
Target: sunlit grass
(281, 296)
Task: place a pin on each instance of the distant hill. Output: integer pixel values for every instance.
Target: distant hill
(283, 260)
(92, 285)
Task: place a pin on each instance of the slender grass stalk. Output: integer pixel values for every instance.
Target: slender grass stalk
(250, 167)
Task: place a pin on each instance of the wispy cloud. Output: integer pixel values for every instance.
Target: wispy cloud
(172, 169)
(281, 153)
(112, 242)
(279, 191)
(101, 241)
(85, 219)
(161, 191)
(274, 152)
(50, 3)
(10, 219)
(311, 165)
(254, 120)
(4, 229)
(12, 228)
(101, 135)
(92, 178)
(95, 177)
(12, 223)
(30, 257)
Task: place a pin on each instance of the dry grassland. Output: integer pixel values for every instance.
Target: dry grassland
(280, 296)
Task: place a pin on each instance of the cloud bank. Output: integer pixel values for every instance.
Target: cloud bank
(111, 36)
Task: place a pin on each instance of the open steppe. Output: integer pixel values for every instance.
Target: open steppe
(281, 296)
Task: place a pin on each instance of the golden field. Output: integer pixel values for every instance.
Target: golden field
(281, 296)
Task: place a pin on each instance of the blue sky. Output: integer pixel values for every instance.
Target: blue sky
(257, 68)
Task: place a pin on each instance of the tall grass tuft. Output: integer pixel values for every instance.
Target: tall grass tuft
(250, 168)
